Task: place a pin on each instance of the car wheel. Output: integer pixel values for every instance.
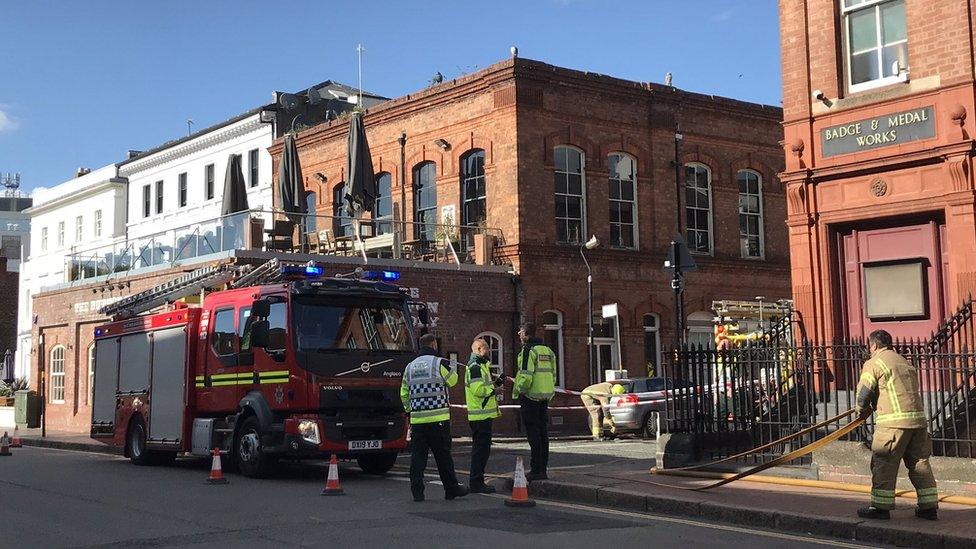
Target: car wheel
(377, 464)
(138, 453)
(649, 426)
(249, 454)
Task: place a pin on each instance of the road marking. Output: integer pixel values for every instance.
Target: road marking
(102, 454)
(689, 522)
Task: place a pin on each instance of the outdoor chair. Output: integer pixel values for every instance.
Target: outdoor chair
(281, 237)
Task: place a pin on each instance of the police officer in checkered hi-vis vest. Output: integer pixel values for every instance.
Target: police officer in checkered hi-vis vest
(900, 432)
(424, 393)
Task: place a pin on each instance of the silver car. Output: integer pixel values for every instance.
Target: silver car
(636, 410)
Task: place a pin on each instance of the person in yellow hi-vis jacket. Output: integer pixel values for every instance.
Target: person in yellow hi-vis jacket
(424, 393)
(534, 386)
(594, 398)
(479, 392)
(900, 432)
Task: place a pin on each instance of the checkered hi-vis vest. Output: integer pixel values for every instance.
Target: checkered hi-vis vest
(426, 388)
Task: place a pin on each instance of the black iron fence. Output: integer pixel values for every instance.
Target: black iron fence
(745, 397)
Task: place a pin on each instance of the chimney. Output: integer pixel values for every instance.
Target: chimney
(132, 153)
(82, 171)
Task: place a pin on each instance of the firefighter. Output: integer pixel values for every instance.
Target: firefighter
(900, 433)
(594, 398)
(424, 393)
(534, 386)
(479, 392)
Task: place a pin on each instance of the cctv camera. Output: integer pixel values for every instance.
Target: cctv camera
(819, 95)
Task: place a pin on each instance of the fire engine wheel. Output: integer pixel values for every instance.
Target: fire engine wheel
(377, 464)
(138, 452)
(249, 455)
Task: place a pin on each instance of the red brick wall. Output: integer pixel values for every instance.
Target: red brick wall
(930, 179)
(518, 111)
(8, 313)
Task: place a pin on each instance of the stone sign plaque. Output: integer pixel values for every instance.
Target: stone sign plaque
(880, 131)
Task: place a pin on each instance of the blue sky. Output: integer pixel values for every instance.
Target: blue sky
(82, 82)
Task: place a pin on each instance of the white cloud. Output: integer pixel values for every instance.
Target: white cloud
(7, 124)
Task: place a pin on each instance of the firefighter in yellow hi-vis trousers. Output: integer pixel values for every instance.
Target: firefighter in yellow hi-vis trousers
(900, 432)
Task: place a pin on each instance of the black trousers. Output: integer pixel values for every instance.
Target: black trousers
(535, 417)
(480, 450)
(435, 438)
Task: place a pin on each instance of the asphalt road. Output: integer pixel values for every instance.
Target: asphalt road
(54, 498)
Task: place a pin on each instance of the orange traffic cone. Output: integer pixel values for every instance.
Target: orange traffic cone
(216, 473)
(520, 488)
(5, 445)
(332, 479)
(15, 442)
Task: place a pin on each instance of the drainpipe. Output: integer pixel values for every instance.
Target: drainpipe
(402, 140)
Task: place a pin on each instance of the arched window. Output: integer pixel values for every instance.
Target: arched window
(57, 374)
(497, 352)
(698, 208)
(425, 201)
(473, 205)
(310, 203)
(91, 374)
(383, 209)
(623, 200)
(570, 201)
(750, 214)
(552, 324)
(701, 330)
(341, 222)
(652, 345)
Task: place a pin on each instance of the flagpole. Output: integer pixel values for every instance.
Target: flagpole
(359, 51)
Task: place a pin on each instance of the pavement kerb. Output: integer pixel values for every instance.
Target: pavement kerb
(837, 527)
(57, 444)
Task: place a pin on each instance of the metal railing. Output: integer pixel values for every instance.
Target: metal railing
(291, 233)
(749, 396)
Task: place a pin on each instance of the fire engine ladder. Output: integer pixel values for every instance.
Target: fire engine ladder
(266, 273)
(186, 285)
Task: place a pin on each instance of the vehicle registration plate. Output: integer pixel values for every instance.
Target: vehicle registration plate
(365, 445)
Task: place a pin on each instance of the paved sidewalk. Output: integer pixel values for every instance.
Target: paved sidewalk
(791, 509)
(66, 441)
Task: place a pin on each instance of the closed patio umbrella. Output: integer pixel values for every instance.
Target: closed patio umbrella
(359, 169)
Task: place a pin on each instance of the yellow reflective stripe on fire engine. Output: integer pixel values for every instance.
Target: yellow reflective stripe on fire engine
(278, 376)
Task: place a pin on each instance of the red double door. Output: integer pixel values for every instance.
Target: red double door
(894, 279)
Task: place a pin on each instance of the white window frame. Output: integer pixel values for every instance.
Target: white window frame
(60, 234)
(558, 328)
(848, 54)
(98, 223)
(91, 374)
(182, 190)
(656, 330)
(254, 166)
(711, 209)
(761, 215)
(56, 369)
(583, 228)
(79, 228)
(701, 322)
(43, 239)
(633, 203)
(496, 368)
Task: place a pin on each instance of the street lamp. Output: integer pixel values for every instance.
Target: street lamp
(590, 244)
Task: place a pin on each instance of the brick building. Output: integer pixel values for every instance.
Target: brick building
(486, 148)
(878, 142)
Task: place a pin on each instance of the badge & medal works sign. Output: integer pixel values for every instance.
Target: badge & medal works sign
(881, 131)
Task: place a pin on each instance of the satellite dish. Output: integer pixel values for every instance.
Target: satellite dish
(288, 100)
(314, 96)
(438, 78)
(514, 51)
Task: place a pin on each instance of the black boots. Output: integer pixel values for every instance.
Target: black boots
(873, 513)
(927, 514)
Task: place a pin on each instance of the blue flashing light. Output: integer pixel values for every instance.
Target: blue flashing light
(385, 276)
(314, 270)
(298, 272)
(98, 332)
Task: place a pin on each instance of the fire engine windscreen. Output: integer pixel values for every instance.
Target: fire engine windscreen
(339, 325)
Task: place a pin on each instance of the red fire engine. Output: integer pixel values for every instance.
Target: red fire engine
(283, 364)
